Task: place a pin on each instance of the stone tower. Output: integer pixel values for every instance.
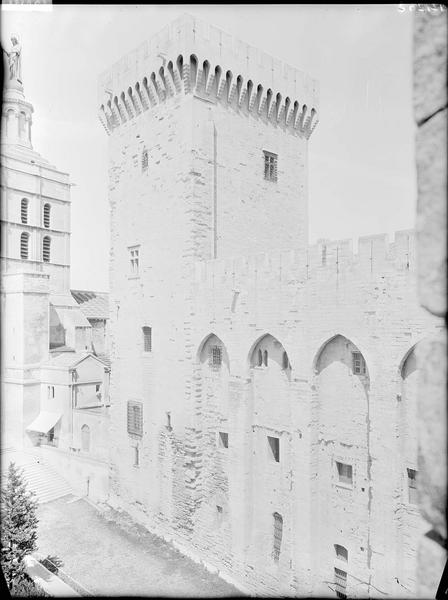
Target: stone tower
(208, 160)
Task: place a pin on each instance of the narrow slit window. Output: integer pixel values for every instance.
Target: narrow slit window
(46, 247)
(324, 255)
(85, 438)
(24, 245)
(145, 160)
(274, 447)
(270, 166)
(134, 260)
(412, 486)
(147, 339)
(265, 358)
(24, 211)
(47, 211)
(359, 364)
(260, 358)
(136, 456)
(345, 473)
(285, 362)
(278, 534)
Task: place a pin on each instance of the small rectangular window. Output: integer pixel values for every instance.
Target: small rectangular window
(345, 473)
(274, 447)
(135, 418)
(359, 364)
(134, 260)
(270, 166)
(412, 486)
(51, 391)
(223, 439)
(340, 583)
(147, 339)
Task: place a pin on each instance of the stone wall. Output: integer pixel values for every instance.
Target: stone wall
(430, 110)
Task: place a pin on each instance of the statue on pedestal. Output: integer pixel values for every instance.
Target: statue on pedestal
(15, 59)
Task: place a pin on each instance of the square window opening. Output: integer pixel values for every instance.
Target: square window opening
(345, 473)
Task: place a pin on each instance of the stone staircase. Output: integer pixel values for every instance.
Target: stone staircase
(41, 478)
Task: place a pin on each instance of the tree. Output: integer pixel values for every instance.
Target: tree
(18, 527)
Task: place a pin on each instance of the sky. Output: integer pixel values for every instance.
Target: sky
(361, 156)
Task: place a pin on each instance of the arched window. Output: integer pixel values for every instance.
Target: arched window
(24, 211)
(24, 242)
(46, 245)
(144, 160)
(85, 438)
(265, 358)
(278, 534)
(341, 552)
(47, 210)
(22, 124)
(260, 358)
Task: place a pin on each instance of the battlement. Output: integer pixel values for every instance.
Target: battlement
(376, 254)
(191, 56)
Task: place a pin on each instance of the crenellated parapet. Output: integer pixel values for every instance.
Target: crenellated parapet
(376, 255)
(192, 57)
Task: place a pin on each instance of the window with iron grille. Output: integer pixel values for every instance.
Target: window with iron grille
(24, 211)
(147, 339)
(274, 447)
(345, 473)
(144, 160)
(47, 210)
(340, 583)
(135, 417)
(24, 243)
(341, 552)
(359, 364)
(412, 486)
(223, 439)
(215, 356)
(46, 246)
(278, 534)
(134, 258)
(270, 166)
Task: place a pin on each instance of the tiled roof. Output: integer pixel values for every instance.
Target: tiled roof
(94, 305)
(104, 358)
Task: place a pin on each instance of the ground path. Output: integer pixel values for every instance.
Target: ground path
(109, 559)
